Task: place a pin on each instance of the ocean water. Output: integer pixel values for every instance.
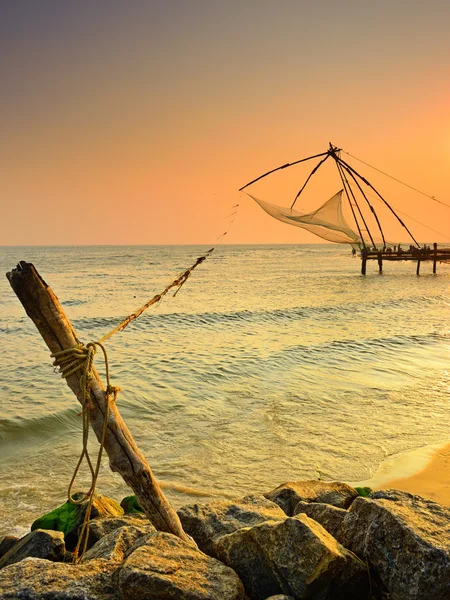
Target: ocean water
(273, 363)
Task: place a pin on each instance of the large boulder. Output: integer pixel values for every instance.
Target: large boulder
(296, 557)
(162, 566)
(98, 528)
(406, 541)
(39, 544)
(69, 517)
(330, 517)
(208, 522)
(289, 494)
(37, 579)
(114, 545)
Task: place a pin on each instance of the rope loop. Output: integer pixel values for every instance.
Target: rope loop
(80, 359)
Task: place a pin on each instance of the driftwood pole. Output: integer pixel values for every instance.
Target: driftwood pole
(44, 309)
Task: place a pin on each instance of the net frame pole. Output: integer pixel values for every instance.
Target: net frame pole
(357, 206)
(369, 204)
(351, 206)
(283, 167)
(309, 177)
(381, 197)
(334, 153)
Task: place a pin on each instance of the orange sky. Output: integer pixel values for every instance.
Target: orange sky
(136, 122)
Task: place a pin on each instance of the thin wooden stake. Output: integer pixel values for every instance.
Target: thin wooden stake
(363, 265)
(44, 309)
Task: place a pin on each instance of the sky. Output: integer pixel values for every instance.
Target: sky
(136, 122)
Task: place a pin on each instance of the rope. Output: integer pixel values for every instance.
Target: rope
(178, 283)
(70, 361)
(397, 180)
(80, 358)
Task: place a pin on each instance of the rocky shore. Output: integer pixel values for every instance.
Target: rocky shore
(303, 540)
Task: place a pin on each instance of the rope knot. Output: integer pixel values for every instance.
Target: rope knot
(112, 391)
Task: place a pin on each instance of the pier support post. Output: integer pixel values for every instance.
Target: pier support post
(434, 257)
(418, 266)
(125, 458)
(363, 266)
(380, 262)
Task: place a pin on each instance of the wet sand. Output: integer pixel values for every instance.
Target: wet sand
(424, 471)
(432, 481)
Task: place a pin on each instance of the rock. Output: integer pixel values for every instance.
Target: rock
(289, 494)
(131, 506)
(162, 566)
(296, 557)
(405, 539)
(68, 517)
(330, 517)
(100, 527)
(7, 543)
(114, 545)
(207, 522)
(39, 544)
(37, 579)
(280, 597)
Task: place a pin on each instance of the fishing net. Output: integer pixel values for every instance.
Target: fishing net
(327, 221)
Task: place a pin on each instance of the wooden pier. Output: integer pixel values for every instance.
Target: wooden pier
(426, 253)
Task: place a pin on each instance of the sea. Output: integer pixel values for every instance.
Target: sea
(272, 363)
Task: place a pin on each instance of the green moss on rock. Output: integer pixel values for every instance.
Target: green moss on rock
(68, 517)
(130, 505)
(64, 518)
(364, 491)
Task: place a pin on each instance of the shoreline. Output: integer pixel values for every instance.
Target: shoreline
(424, 471)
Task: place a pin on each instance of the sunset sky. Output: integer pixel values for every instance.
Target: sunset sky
(136, 122)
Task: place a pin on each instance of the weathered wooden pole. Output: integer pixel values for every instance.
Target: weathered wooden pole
(418, 266)
(380, 262)
(363, 265)
(44, 309)
(434, 257)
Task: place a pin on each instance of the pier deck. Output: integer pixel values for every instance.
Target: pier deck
(419, 255)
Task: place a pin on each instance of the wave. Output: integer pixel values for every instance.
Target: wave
(42, 427)
(74, 302)
(308, 361)
(328, 312)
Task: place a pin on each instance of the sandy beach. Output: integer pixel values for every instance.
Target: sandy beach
(433, 481)
(424, 471)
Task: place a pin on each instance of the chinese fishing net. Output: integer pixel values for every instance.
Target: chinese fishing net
(327, 222)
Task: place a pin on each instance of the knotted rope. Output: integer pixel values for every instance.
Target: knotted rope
(80, 360)
(71, 361)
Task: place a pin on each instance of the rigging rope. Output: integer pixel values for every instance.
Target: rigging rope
(178, 283)
(412, 218)
(397, 180)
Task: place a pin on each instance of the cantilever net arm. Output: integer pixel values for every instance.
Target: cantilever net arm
(283, 167)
